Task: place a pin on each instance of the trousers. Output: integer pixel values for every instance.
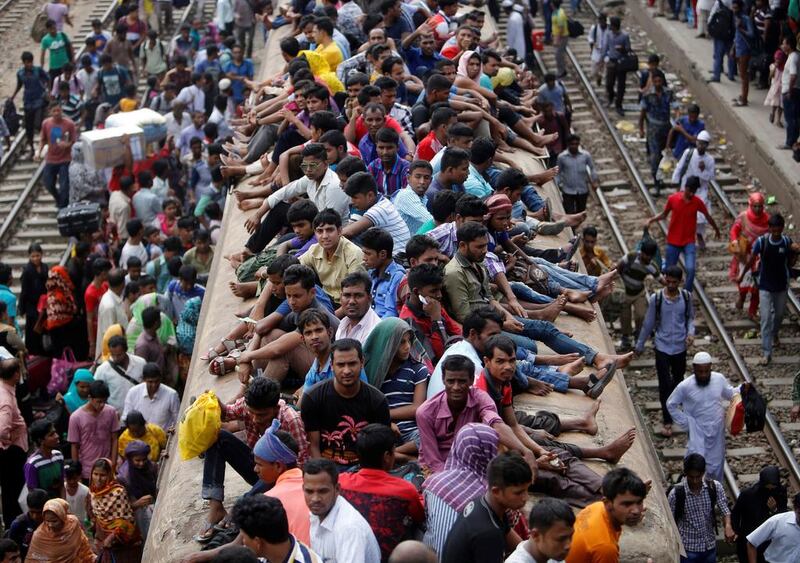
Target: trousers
(670, 369)
(771, 308)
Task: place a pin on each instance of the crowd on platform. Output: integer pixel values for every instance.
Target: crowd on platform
(393, 303)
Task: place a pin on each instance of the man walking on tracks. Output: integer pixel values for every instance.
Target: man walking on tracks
(684, 207)
(696, 404)
(670, 318)
(655, 108)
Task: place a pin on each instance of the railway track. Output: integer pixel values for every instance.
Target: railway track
(621, 206)
(27, 210)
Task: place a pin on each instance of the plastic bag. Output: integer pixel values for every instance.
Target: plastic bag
(199, 426)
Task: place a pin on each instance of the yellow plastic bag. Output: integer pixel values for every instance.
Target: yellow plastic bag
(199, 426)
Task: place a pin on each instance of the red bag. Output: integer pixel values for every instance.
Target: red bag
(38, 372)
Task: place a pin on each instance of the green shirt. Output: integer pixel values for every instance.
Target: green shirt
(59, 55)
(426, 227)
(467, 286)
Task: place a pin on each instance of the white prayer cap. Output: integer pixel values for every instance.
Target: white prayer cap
(702, 358)
(704, 136)
(507, 3)
(224, 84)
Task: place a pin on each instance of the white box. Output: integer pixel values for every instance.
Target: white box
(104, 147)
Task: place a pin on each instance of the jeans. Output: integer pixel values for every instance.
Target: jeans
(561, 56)
(771, 308)
(709, 556)
(670, 369)
(547, 333)
(656, 142)
(567, 278)
(722, 49)
(244, 37)
(689, 256)
(532, 199)
(574, 203)
(51, 173)
(547, 14)
(547, 374)
(227, 449)
(676, 7)
(522, 291)
(791, 113)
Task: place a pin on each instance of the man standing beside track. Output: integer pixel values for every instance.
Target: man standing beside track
(696, 405)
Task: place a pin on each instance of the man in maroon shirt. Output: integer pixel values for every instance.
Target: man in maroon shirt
(391, 505)
(684, 207)
(58, 135)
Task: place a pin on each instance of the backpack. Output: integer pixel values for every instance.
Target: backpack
(39, 26)
(574, 28)
(685, 166)
(687, 298)
(680, 501)
(720, 26)
(11, 117)
(755, 408)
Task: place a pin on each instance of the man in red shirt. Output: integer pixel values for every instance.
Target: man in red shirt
(684, 207)
(391, 505)
(91, 297)
(441, 120)
(58, 135)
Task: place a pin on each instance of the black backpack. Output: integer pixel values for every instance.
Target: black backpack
(755, 408)
(720, 26)
(11, 117)
(680, 501)
(574, 28)
(687, 298)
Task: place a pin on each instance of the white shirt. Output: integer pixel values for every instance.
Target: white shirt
(384, 215)
(118, 385)
(193, 97)
(328, 193)
(361, 329)
(87, 80)
(784, 532)
(161, 410)
(598, 39)
(110, 311)
(515, 33)
(174, 128)
(77, 503)
(344, 536)
(224, 14)
(462, 348)
(792, 67)
(522, 555)
(705, 175)
(131, 250)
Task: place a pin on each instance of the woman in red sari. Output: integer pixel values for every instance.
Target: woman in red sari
(749, 225)
(116, 536)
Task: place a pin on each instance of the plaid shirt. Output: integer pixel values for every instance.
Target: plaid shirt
(390, 181)
(697, 527)
(402, 114)
(288, 418)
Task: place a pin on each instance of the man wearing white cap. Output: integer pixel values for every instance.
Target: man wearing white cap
(697, 405)
(695, 161)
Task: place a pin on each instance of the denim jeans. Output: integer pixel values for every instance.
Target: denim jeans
(227, 449)
(709, 556)
(689, 256)
(723, 49)
(531, 198)
(561, 56)
(522, 291)
(547, 14)
(547, 333)
(791, 113)
(57, 172)
(772, 306)
(547, 374)
(566, 278)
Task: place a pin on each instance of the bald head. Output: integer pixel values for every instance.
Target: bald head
(412, 551)
(9, 370)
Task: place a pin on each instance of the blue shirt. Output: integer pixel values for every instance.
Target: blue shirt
(10, 300)
(237, 86)
(416, 59)
(320, 296)
(369, 151)
(178, 297)
(742, 38)
(35, 83)
(384, 289)
(436, 186)
(399, 387)
(671, 332)
(681, 144)
(773, 272)
(389, 181)
(213, 67)
(316, 375)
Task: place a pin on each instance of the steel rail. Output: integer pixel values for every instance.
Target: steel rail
(772, 431)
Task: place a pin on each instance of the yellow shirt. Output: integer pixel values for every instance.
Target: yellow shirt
(559, 20)
(593, 267)
(128, 104)
(332, 53)
(153, 436)
(346, 259)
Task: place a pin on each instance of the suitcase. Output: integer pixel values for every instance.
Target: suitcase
(79, 217)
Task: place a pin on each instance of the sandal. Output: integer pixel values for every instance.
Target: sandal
(206, 534)
(223, 366)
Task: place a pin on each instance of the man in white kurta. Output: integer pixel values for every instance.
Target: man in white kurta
(695, 161)
(697, 405)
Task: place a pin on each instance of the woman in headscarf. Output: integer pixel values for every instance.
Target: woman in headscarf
(471, 69)
(60, 538)
(112, 331)
(78, 393)
(32, 287)
(60, 309)
(85, 183)
(138, 475)
(749, 225)
(396, 363)
(755, 505)
(464, 478)
(166, 332)
(116, 536)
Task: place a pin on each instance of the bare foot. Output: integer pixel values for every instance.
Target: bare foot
(666, 431)
(588, 315)
(244, 290)
(589, 421)
(615, 450)
(602, 293)
(573, 368)
(573, 220)
(551, 311)
(602, 359)
(239, 257)
(606, 279)
(577, 296)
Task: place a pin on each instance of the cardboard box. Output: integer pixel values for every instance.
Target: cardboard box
(152, 123)
(104, 147)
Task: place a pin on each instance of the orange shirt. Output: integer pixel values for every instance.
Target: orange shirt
(289, 490)
(595, 540)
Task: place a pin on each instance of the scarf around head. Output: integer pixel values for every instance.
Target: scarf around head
(72, 400)
(166, 333)
(381, 347)
(187, 325)
(497, 203)
(464, 61)
(138, 482)
(270, 448)
(112, 331)
(60, 305)
(112, 509)
(464, 475)
(68, 545)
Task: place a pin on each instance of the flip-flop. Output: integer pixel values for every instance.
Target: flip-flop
(206, 534)
(597, 389)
